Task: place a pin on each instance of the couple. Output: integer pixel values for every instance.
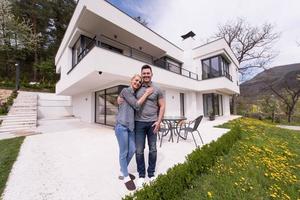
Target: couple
(141, 109)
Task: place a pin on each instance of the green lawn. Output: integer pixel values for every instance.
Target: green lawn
(9, 150)
(264, 164)
(284, 122)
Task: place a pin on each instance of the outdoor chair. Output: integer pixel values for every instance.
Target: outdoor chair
(190, 127)
(163, 131)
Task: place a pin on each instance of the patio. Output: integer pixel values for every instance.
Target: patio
(75, 160)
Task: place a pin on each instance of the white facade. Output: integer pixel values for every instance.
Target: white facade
(103, 48)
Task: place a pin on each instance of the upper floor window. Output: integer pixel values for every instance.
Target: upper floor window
(215, 67)
(81, 48)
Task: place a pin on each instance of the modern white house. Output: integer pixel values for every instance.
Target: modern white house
(103, 48)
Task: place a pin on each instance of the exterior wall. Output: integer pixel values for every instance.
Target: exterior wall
(52, 106)
(84, 106)
(172, 98)
(199, 107)
(226, 105)
(190, 105)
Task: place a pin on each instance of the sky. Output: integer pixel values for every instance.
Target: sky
(173, 18)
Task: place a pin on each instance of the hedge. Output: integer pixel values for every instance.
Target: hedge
(180, 177)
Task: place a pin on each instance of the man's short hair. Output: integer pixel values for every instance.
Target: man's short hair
(146, 67)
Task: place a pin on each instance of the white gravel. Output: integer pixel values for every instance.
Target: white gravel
(79, 161)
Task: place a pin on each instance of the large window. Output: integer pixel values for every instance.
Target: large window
(107, 106)
(81, 48)
(215, 67)
(212, 104)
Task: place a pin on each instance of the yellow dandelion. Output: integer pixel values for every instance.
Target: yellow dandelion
(209, 194)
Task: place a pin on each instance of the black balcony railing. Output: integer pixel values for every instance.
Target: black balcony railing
(125, 50)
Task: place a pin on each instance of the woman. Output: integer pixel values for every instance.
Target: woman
(124, 128)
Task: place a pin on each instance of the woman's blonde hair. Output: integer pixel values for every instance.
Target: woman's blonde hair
(133, 77)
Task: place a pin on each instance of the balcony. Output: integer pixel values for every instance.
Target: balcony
(125, 50)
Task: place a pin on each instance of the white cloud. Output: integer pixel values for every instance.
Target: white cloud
(173, 18)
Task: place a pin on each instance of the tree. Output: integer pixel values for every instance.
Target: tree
(289, 93)
(252, 45)
(269, 105)
(16, 36)
(37, 12)
(61, 13)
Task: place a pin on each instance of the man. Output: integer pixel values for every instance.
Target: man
(147, 123)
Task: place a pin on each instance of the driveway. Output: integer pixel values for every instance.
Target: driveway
(72, 160)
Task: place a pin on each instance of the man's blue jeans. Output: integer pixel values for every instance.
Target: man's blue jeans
(126, 142)
(143, 129)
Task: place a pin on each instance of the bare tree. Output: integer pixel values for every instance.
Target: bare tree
(252, 45)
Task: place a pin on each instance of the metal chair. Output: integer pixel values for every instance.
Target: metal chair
(190, 127)
(163, 130)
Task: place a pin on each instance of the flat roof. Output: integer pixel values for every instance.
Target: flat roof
(143, 25)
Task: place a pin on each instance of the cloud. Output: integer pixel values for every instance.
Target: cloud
(173, 18)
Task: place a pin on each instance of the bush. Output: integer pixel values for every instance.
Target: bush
(5, 106)
(181, 176)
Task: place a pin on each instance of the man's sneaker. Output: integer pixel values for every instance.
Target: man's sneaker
(129, 183)
(152, 178)
(132, 177)
(140, 182)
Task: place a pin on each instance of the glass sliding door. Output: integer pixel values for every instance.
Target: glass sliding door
(107, 106)
(100, 107)
(212, 103)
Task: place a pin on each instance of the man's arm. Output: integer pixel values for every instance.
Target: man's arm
(162, 105)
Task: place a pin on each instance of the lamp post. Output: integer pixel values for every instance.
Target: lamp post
(17, 75)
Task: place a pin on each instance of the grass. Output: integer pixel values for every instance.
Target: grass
(283, 122)
(264, 164)
(9, 150)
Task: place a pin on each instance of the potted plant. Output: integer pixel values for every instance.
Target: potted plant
(211, 116)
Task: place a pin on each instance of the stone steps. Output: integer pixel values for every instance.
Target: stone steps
(22, 116)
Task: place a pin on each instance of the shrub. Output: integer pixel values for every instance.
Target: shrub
(181, 176)
(5, 106)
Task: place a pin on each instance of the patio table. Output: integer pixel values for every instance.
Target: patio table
(172, 122)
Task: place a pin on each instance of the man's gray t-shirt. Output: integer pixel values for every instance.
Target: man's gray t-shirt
(150, 108)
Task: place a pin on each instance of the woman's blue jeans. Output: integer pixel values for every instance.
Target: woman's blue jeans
(126, 140)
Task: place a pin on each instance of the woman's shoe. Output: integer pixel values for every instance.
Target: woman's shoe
(129, 184)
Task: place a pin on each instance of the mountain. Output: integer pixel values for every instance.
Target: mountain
(279, 77)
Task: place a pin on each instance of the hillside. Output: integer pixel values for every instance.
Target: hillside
(277, 76)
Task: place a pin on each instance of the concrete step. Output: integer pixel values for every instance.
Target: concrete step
(5, 129)
(20, 119)
(17, 123)
(23, 109)
(20, 116)
(23, 112)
